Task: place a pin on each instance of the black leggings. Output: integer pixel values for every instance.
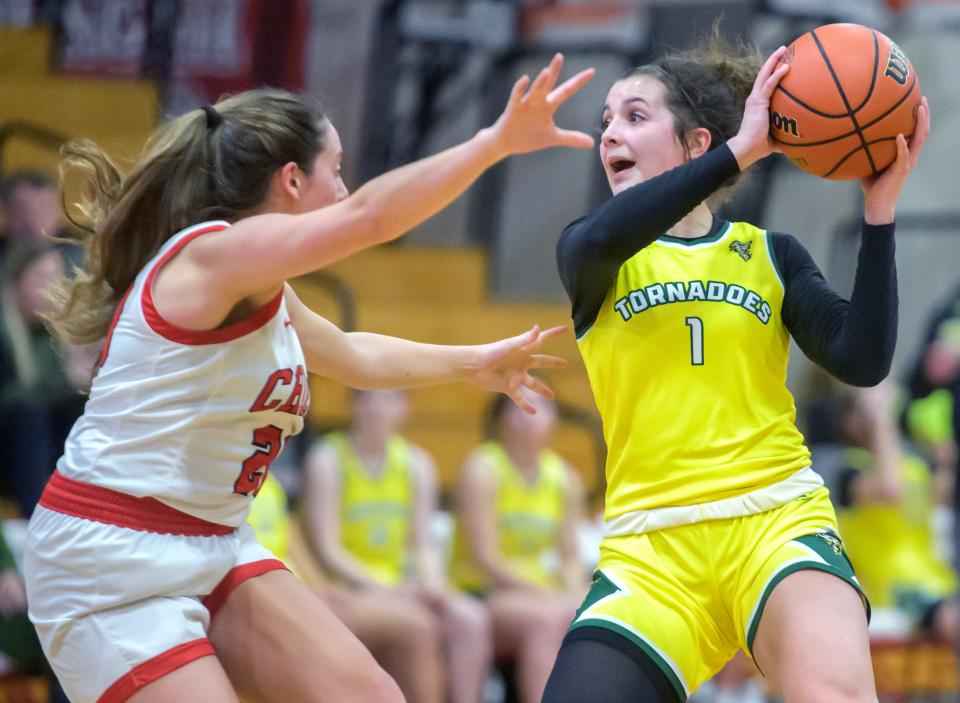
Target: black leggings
(595, 665)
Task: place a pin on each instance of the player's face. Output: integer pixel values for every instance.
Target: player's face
(535, 429)
(325, 185)
(638, 140)
(381, 411)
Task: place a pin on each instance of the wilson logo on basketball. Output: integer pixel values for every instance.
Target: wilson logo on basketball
(898, 65)
(784, 124)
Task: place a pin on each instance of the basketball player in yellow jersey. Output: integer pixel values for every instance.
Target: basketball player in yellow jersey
(369, 499)
(718, 532)
(405, 645)
(519, 505)
(885, 497)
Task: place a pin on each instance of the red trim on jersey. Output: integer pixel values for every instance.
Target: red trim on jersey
(237, 575)
(153, 669)
(113, 324)
(183, 336)
(84, 500)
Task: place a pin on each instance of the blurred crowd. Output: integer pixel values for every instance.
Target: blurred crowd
(464, 594)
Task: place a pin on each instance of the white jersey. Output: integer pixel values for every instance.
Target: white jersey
(190, 418)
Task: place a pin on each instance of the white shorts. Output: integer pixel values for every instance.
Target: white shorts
(118, 607)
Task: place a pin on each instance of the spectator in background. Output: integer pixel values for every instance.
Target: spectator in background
(41, 380)
(885, 499)
(406, 646)
(32, 210)
(935, 379)
(369, 501)
(33, 216)
(519, 505)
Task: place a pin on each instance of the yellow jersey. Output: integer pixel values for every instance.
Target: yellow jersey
(687, 359)
(892, 545)
(376, 510)
(529, 520)
(269, 517)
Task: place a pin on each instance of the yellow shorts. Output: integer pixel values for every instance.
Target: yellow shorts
(688, 597)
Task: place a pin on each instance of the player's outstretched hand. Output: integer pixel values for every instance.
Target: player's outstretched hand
(880, 192)
(505, 365)
(526, 123)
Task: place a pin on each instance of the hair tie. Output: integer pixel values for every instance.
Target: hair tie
(213, 117)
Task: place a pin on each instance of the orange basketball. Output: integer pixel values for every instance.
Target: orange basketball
(848, 93)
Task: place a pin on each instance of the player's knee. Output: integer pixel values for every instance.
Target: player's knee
(472, 620)
(425, 632)
(552, 619)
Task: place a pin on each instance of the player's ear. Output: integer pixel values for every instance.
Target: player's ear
(698, 141)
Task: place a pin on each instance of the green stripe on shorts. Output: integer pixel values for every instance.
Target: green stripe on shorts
(829, 548)
(601, 588)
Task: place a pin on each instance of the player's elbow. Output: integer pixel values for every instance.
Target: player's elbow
(864, 372)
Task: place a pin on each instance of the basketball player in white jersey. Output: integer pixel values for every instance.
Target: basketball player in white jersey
(144, 582)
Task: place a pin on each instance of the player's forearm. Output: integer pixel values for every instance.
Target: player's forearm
(348, 569)
(502, 576)
(404, 197)
(391, 362)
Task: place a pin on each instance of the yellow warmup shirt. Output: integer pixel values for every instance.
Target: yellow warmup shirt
(892, 545)
(687, 359)
(529, 520)
(270, 517)
(375, 510)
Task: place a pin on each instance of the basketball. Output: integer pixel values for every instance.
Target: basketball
(849, 91)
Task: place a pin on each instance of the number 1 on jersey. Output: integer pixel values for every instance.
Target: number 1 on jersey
(696, 340)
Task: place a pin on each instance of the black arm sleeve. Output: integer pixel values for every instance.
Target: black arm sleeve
(854, 340)
(592, 249)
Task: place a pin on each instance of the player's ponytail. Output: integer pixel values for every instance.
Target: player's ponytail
(192, 169)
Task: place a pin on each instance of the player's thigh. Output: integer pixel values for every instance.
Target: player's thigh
(279, 642)
(517, 615)
(202, 679)
(812, 640)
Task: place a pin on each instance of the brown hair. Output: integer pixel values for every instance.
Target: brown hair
(706, 86)
(192, 168)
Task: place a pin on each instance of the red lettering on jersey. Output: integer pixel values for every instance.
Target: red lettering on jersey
(268, 442)
(281, 376)
(294, 404)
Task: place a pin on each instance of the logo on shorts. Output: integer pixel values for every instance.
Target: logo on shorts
(741, 248)
(835, 544)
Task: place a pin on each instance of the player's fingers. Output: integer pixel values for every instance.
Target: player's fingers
(543, 83)
(561, 93)
(547, 361)
(538, 386)
(522, 403)
(769, 66)
(575, 139)
(552, 72)
(543, 336)
(903, 160)
(552, 332)
(774, 80)
(530, 340)
(519, 88)
(922, 129)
